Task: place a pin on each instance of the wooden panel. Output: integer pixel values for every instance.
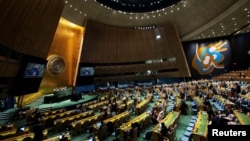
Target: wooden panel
(110, 44)
(125, 51)
(3, 68)
(8, 69)
(28, 26)
(12, 70)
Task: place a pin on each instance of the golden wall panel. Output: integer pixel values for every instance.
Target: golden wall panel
(67, 44)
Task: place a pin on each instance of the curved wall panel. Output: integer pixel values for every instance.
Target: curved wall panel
(28, 26)
(125, 51)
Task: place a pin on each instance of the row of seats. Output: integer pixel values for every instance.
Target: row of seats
(189, 129)
(219, 105)
(194, 107)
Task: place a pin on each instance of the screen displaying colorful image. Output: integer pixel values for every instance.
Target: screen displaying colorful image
(34, 70)
(86, 71)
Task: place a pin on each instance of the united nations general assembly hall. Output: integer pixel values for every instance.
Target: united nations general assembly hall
(124, 70)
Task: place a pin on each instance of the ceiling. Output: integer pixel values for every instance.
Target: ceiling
(138, 6)
(194, 19)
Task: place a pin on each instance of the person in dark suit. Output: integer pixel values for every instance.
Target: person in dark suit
(216, 120)
(238, 88)
(164, 131)
(38, 132)
(184, 108)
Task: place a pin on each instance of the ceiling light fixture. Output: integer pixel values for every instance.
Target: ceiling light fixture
(138, 6)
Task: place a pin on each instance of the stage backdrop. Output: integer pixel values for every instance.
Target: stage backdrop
(208, 58)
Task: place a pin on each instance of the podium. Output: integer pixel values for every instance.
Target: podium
(59, 95)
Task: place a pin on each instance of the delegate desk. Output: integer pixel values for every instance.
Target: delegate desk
(176, 94)
(245, 96)
(74, 117)
(20, 138)
(57, 138)
(169, 121)
(200, 130)
(53, 112)
(243, 119)
(25, 135)
(138, 119)
(98, 105)
(8, 127)
(46, 119)
(129, 105)
(141, 106)
(225, 102)
(13, 132)
(229, 78)
(159, 103)
(116, 117)
(7, 132)
(199, 101)
(88, 121)
(177, 104)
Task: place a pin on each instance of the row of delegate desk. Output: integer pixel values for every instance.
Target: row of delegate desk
(200, 102)
(200, 129)
(64, 122)
(6, 127)
(13, 132)
(143, 120)
(141, 106)
(224, 101)
(116, 121)
(86, 122)
(75, 117)
(170, 120)
(47, 119)
(31, 135)
(117, 118)
(178, 104)
(242, 117)
(25, 134)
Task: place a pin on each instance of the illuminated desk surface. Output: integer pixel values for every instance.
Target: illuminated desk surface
(57, 138)
(200, 130)
(116, 117)
(94, 117)
(178, 104)
(20, 138)
(74, 117)
(142, 105)
(169, 121)
(138, 119)
(243, 119)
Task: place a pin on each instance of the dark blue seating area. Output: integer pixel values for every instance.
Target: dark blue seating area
(218, 104)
